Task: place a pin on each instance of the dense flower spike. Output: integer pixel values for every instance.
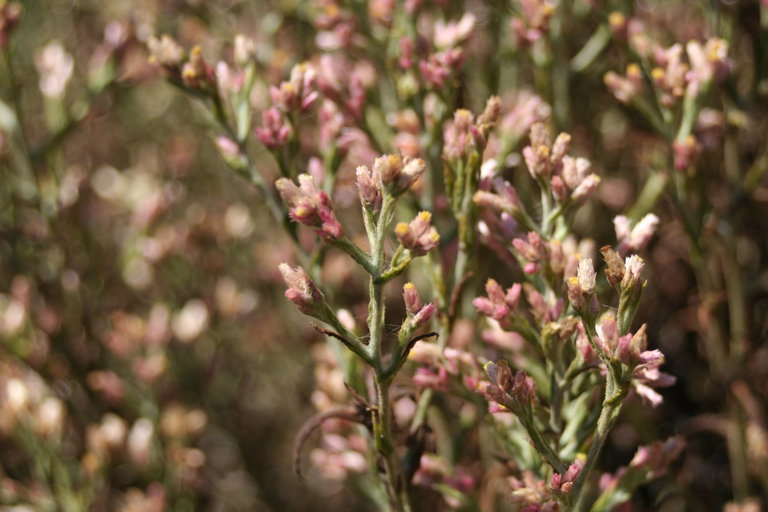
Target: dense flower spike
(310, 206)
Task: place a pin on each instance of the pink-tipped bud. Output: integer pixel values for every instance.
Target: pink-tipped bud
(424, 314)
(575, 295)
(586, 275)
(633, 269)
(368, 187)
(302, 291)
(615, 270)
(419, 237)
(411, 298)
(607, 334)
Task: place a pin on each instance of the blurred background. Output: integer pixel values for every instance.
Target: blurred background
(149, 358)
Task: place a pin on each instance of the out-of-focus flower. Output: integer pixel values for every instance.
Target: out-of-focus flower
(533, 22)
(166, 52)
(55, 67)
(10, 14)
(563, 484)
(197, 73)
(310, 206)
(418, 236)
(140, 441)
(685, 151)
(625, 87)
(634, 238)
(708, 62)
(299, 93)
(439, 68)
(454, 33)
(656, 457)
(275, 130)
(190, 321)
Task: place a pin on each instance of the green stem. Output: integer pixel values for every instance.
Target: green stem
(608, 416)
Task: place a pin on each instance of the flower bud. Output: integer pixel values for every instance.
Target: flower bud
(586, 274)
(411, 298)
(369, 187)
(303, 292)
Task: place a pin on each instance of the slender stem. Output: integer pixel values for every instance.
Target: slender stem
(394, 481)
(542, 445)
(608, 415)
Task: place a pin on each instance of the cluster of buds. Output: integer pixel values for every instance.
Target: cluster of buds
(440, 367)
(628, 349)
(671, 75)
(685, 152)
(504, 199)
(396, 173)
(527, 109)
(275, 130)
(419, 236)
(466, 134)
(439, 68)
(536, 252)
(513, 391)
(310, 206)
(299, 93)
(569, 178)
(499, 305)
(563, 484)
